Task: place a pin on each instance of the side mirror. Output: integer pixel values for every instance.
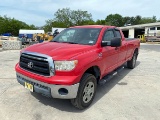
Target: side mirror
(115, 42)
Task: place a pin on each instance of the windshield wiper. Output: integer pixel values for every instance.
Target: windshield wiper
(54, 41)
(70, 42)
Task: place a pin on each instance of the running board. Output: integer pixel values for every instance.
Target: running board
(110, 76)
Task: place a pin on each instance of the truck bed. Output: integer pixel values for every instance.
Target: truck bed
(131, 39)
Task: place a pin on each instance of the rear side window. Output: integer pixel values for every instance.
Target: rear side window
(118, 34)
(109, 35)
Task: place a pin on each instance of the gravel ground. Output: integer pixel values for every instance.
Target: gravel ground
(131, 95)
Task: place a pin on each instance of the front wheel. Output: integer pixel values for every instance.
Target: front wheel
(86, 92)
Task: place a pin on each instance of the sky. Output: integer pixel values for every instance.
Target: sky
(38, 11)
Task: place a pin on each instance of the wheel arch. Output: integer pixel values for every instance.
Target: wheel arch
(94, 70)
(136, 50)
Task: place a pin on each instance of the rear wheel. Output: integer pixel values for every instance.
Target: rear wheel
(132, 63)
(86, 92)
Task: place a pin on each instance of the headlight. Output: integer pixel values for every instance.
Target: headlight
(65, 65)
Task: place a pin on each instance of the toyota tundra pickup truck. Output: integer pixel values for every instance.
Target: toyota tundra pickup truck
(75, 62)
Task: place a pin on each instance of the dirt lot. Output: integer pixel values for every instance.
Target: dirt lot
(131, 95)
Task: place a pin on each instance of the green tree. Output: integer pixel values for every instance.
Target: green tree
(145, 20)
(101, 22)
(52, 23)
(63, 16)
(131, 20)
(118, 20)
(87, 22)
(115, 20)
(139, 20)
(11, 25)
(79, 17)
(66, 17)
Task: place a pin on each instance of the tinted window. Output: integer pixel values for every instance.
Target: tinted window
(158, 28)
(87, 36)
(108, 35)
(153, 28)
(118, 34)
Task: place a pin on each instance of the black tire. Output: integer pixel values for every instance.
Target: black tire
(132, 63)
(81, 101)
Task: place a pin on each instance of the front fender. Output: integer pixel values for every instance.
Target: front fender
(88, 60)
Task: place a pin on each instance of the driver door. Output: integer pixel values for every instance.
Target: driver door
(110, 54)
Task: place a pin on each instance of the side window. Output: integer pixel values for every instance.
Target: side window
(108, 36)
(118, 34)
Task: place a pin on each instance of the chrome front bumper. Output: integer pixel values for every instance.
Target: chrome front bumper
(50, 90)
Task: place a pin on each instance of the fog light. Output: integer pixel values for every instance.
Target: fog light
(63, 91)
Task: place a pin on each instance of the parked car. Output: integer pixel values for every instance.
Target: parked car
(71, 68)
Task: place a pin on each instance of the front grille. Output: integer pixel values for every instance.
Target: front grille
(35, 64)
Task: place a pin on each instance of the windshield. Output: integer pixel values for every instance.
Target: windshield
(85, 36)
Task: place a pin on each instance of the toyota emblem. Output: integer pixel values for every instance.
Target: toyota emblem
(30, 64)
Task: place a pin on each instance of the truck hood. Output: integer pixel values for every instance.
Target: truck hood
(59, 51)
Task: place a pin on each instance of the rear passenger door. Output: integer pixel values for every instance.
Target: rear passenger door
(110, 54)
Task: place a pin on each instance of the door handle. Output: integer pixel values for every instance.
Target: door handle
(117, 48)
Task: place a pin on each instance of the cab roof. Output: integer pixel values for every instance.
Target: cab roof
(93, 26)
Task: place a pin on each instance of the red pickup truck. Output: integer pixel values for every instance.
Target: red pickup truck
(75, 62)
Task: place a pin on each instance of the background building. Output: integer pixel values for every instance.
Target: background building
(149, 30)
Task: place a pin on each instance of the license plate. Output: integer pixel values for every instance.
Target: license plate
(29, 86)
